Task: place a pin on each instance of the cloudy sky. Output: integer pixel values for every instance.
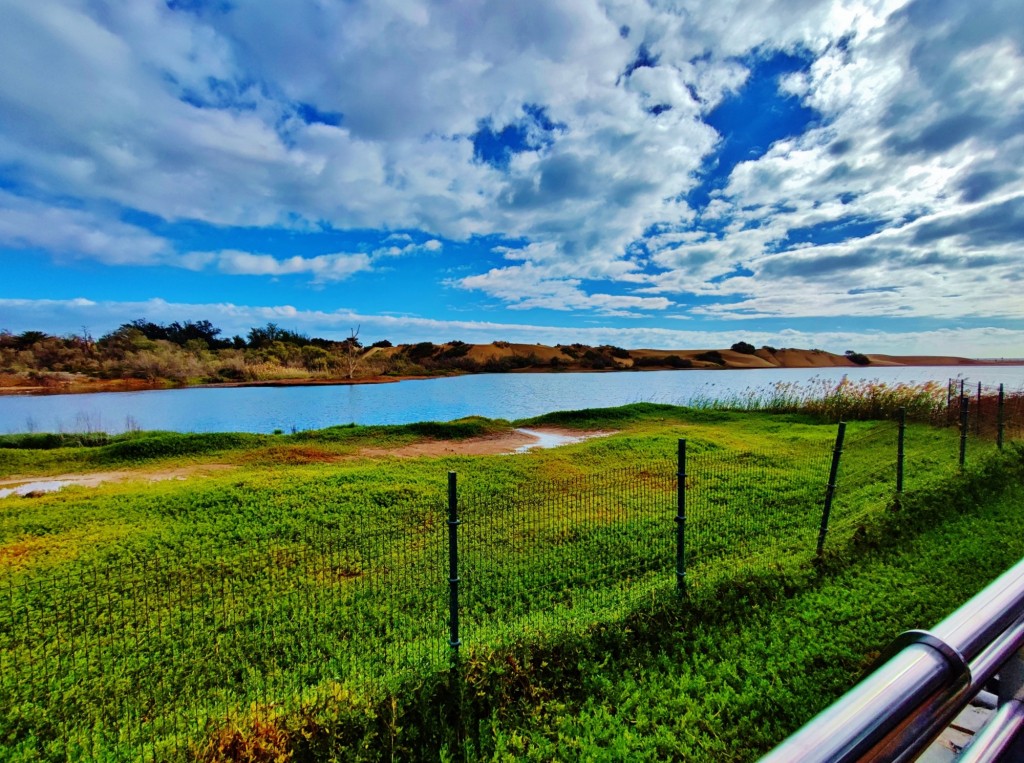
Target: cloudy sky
(845, 175)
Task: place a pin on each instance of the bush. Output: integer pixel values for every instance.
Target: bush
(712, 356)
(455, 349)
(671, 361)
(418, 352)
(613, 351)
(858, 358)
(745, 347)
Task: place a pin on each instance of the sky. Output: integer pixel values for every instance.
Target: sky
(838, 175)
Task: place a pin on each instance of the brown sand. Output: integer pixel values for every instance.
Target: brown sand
(500, 444)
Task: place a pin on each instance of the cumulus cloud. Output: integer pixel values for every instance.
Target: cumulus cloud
(326, 267)
(68, 232)
(901, 197)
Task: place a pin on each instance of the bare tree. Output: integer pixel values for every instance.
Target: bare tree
(353, 351)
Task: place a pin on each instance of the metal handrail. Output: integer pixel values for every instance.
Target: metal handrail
(903, 705)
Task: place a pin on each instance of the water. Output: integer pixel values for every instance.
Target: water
(47, 486)
(508, 396)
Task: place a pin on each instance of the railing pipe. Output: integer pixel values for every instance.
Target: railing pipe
(998, 738)
(898, 709)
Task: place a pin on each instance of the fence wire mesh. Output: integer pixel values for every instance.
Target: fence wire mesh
(158, 659)
(163, 658)
(559, 553)
(746, 506)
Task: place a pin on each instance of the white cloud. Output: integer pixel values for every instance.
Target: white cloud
(529, 286)
(326, 267)
(211, 115)
(103, 316)
(29, 224)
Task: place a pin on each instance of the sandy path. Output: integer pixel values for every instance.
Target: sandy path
(93, 479)
(518, 440)
(491, 445)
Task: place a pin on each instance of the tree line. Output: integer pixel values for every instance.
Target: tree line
(181, 352)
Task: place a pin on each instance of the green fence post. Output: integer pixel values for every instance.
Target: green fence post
(453, 564)
(977, 415)
(899, 455)
(1001, 425)
(830, 491)
(964, 424)
(681, 517)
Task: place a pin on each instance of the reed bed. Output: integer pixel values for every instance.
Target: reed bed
(834, 401)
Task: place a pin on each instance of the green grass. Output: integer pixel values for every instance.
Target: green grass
(729, 677)
(298, 600)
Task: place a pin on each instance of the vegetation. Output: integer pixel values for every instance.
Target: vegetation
(143, 353)
(300, 593)
(712, 356)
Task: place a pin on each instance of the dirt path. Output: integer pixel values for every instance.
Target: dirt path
(23, 485)
(516, 441)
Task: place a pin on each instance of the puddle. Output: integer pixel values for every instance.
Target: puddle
(549, 439)
(48, 486)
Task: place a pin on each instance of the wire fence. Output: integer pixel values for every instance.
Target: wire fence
(157, 659)
(170, 657)
(557, 554)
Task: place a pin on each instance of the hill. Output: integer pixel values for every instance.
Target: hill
(142, 355)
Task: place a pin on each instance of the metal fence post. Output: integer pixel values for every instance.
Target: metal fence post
(453, 563)
(964, 424)
(831, 489)
(899, 454)
(1001, 425)
(977, 415)
(681, 518)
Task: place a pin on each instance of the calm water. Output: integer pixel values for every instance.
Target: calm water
(509, 396)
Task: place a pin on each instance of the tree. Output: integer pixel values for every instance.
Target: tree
(353, 351)
(745, 347)
(261, 337)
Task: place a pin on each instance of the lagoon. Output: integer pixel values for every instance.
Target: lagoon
(507, 396)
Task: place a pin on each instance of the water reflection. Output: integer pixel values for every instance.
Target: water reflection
(507, 396)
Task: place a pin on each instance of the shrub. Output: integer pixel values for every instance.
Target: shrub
(712, 356)
(420, 351)
(613, 351)
(745, 347)
(455, 349)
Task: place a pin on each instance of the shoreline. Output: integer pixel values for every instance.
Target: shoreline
(91, 386)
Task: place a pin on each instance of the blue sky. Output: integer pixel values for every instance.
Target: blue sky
(844, 175)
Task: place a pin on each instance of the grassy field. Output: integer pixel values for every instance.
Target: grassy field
(292, 603)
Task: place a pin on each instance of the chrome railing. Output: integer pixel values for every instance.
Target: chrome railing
(922, 682)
